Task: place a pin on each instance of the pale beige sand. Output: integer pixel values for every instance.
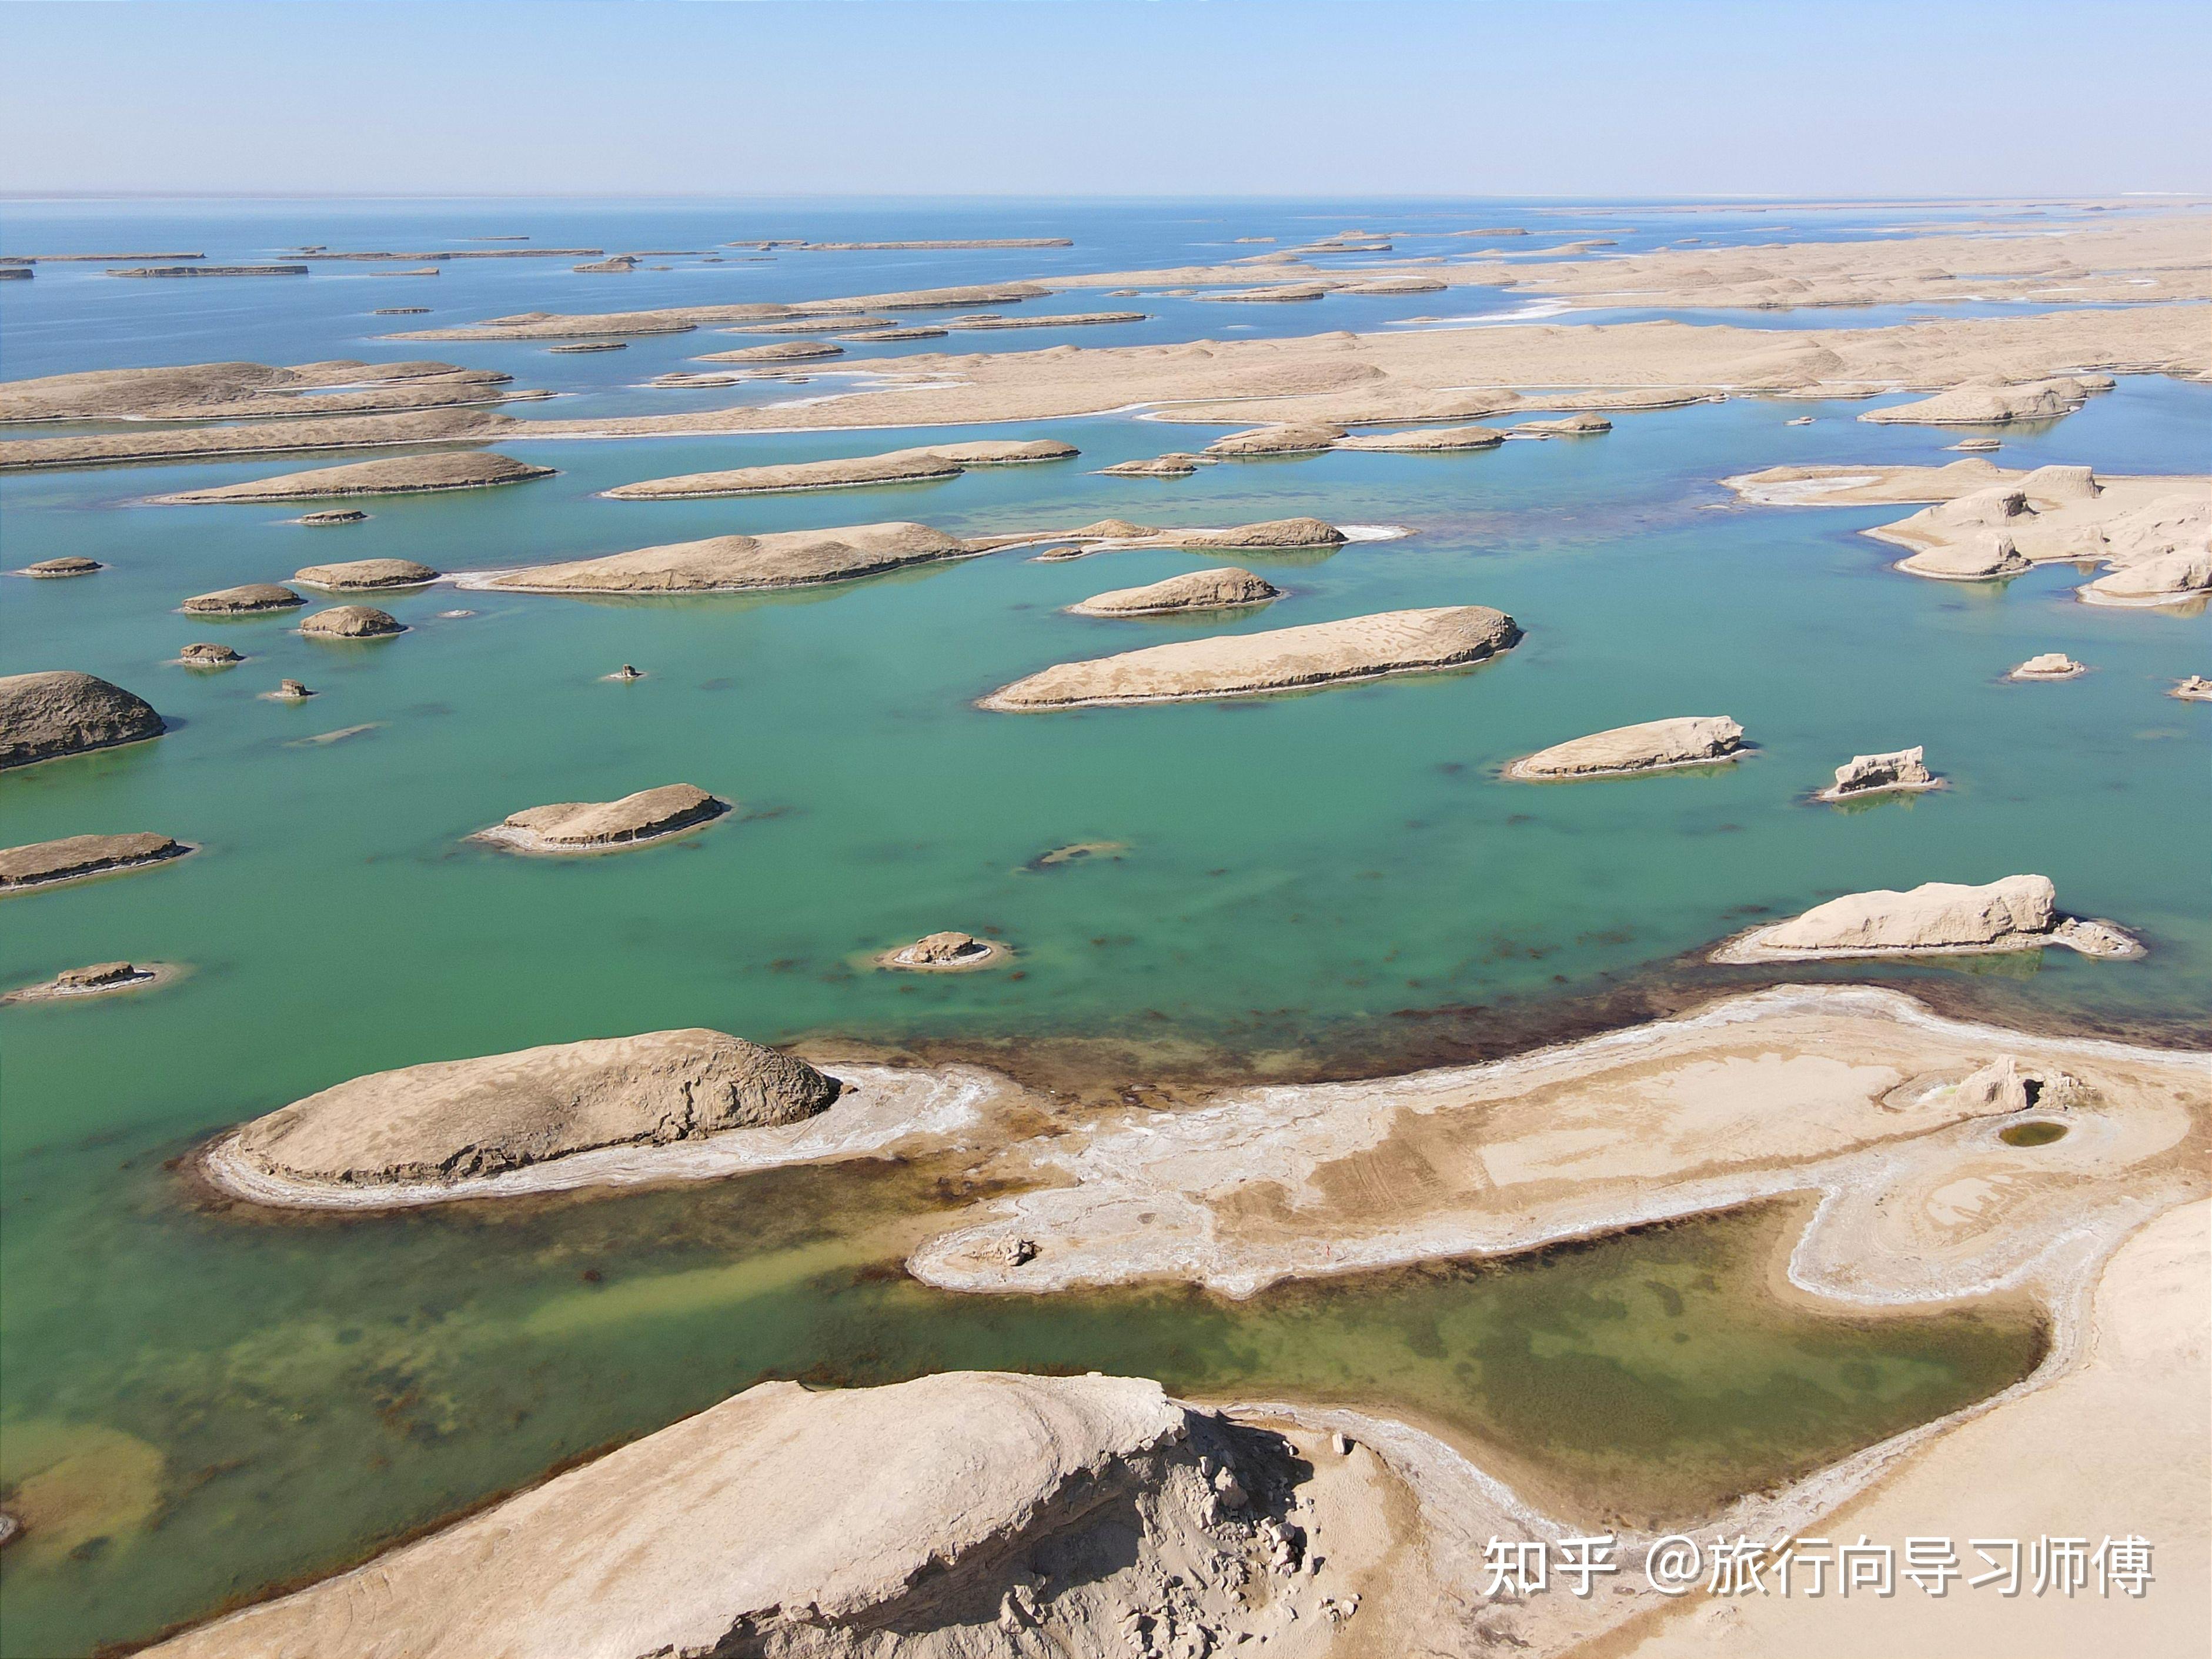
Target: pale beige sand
(584, 828)
(1649, 746)
(859, 471)
(245, 391)
(1225, 589)
(2016, 913)
(1285, 659)
(791, 558)
(2119, 1445)
(401, 475)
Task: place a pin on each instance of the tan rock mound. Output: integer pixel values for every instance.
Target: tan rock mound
(965, 1513)
(1988, 403)
(351, 622)
(2051, 665)
(400, 475)
(457, 1118)
(1875, 775)
(1397, 285)
(1976, 555)
(778, 351)
(1652, 746)
(76, 856)
(1174, 465)
(1218, 589)
(1286, 440)
(69, 565)
(1584, 425)
(47, 715)
(1357, 648)
(360, 574)
(2172, 580)
(202, 654)
(898, 466)
(1273, 532)
(243, 601)
(945, 953)
(584, 826)
(2195, 688)
(2005, 1086)
(795, 558)
(2017, 913)
(1440, 439)
(336, 515)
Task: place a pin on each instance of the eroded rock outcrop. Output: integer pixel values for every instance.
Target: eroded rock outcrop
(1650, 746)
(1873, 775)
(358, 575)
(241, 601)
(69, 565)
(1287, 658)
(401, 474)
(2017, 913)
(1305, 439)
(794, 558)
(585, 826)
(351, 622)
(457, 1118)
(898, 466)
(1436, 440)
(947, 952)
(1200, 589)
(47, 715)
(1988, 403)
(2051, 665)
(2173, 578)
(74, 857)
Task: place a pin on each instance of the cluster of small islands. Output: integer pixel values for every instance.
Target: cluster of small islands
(990, 1513)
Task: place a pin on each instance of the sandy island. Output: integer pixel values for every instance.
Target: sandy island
(401, 475)
(74, 858)
(791, 558)
(896, 466)
(46, 716)
(1652, 746)
(574, 828)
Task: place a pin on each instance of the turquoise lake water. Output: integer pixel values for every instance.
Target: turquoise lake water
(1306, 873)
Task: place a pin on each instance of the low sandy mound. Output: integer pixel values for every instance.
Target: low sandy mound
(1987, 403)
(1653, 745)
(1357, 648)
(242, 601)
(1273, 532)
(1875, 775)
(780, 351)
(1287, 439)
(401, 474)
(1584, 425)
(44, 716)
(73, 856)
(964, 1516)
(1974, 556)
(1201, 590)
(791, 558)
(356, 573)
(1176, 463)
(589, 826)
(70, 564)
(1443, 438)
(2051, 665)
(2017, 913)
(457, 1118)
(351, 622)
(1397, 285)
(896, 467)
(2169, 580)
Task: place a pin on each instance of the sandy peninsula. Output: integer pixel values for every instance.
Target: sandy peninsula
(584, 827)
(46, 716)
(896, 466)
(1283, 660)
(791, 558)
(401, 475)
(1625, 751)
(2019, 912)
(73, 858)
(1225, 588)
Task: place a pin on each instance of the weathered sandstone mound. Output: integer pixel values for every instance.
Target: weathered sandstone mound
(69, 565)
(336, 515)
(47, 715)
(1651, 746)
(896, 467)
(1200, 589)
(2051, 665)
(1292, 533)
(204, 653)
(1176, 464)
(2172, 580)
(1397, 285)
(2005, 1086)
(76, 856)
(2016, 913)
(968, 1513)
(1976, 555)
(1873, 774)
(2195, 688)
(101, 979)
(1584, 425)
(777, 351)
(948, 952)
(1988, 403)
(1299, 438)
(585, 826)
(351, 622)
(243, 601)
(456, 1118)
(364, 574)
(399, 475)
(213, 392)
(1437, 440)
(791, 558)
(1320, 653)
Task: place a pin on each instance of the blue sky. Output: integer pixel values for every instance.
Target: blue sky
(1107, 97)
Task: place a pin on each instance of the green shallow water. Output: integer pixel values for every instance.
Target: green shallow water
(1333, 873)
(336, 1384)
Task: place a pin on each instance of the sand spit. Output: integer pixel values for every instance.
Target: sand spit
(1281, 534)
(351, 622)
(947, 952)
(401, 474)
(895, 467)
(550, 326)
(357, 575)
(258, 440)
(782, 351)
(101, 980)
(73, 858)
(584, 827)
(46, 716)
(210, 270)
(966, 1513)
(90, 258)
(2019, 912)
(1225, 588)
(222, 391)
(249, 599)
(1287, 659)
(1064, 320)
(1651, 746)
(1902, 771)
(448, 1120)
(792, 558)
(940, 246)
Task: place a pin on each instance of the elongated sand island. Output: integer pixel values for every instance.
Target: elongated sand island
(1652, 746)
(898, 466)
(400, 475)
(584, 827)
(1283, 660)
(73, 858)
(247, 599)
(450, 1120)
(2019, 912)
(365, 575)
(1992, 402)
(49, 716)
(735, 564)
(1223, 589)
